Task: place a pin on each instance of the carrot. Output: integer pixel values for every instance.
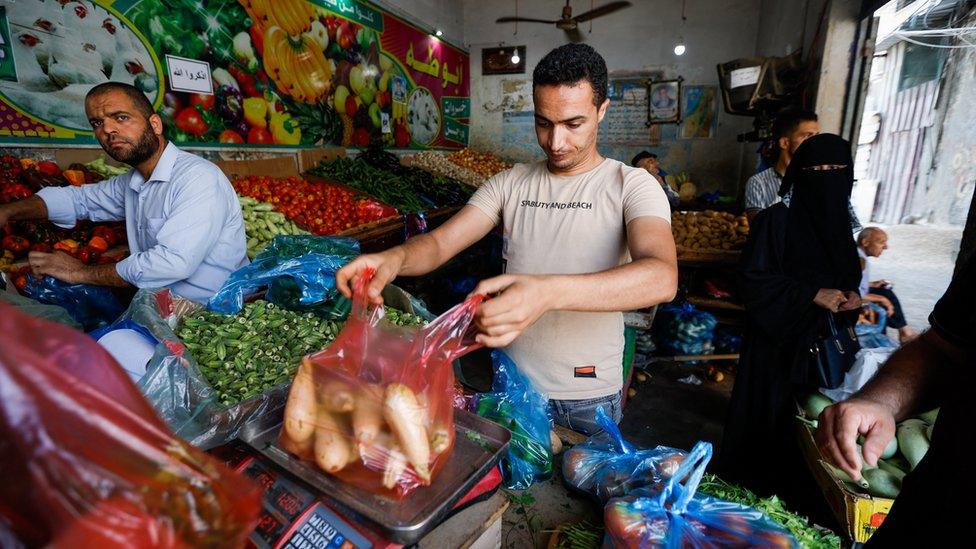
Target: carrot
(300, 409)
(367, 415)
(405, 416)
(333, 447)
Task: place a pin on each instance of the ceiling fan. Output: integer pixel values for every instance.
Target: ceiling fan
(567, 22)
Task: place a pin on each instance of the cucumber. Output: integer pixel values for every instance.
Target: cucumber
(891, 468)
(930, 416)
(881, 483)
(814, 403)
(912, 441)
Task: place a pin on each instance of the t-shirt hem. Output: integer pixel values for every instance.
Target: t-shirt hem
(584, 395)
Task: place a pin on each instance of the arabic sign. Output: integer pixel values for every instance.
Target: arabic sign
(234, 73)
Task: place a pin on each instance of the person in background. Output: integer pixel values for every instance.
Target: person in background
(928, 372)
(585, 237)
(182, 217)
(799, 264)
(790, 129)
(650, 162)
(872, 242)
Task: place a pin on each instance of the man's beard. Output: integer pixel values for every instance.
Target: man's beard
(139, 152)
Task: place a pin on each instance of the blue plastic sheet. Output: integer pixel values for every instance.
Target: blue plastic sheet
(607, 466)
(517, 406)
(873, 336)
(676, 516)
(297, 272)
(91, 306)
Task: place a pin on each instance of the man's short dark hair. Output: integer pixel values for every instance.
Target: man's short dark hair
(787, 121)
(569, 64)
(139, 100)
(641, 156)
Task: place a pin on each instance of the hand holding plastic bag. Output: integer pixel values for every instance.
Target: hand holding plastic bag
(607, 466)
(85, 461)
(376, 407)
(297, 271)
(517, 406)
(678, 517)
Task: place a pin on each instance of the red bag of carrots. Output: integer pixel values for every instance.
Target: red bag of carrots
(86, 462)
(375, 408)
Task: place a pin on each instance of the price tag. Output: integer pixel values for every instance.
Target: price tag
(189, 75)
(744, 77)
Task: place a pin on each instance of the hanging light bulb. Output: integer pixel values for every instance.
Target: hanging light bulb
(438, 33)
(679, 48)
(515, 57)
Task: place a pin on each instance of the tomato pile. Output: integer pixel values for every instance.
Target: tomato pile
(21, 178)
(320, 208)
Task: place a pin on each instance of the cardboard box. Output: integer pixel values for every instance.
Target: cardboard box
(309, 158)
(280, 166)
(859, 514)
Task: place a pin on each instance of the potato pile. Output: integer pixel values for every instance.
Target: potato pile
(709, 231)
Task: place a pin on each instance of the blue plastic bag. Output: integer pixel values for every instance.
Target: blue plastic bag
(684, 330)
(607, 466)
(91, 306)
(676, 516)
(298, 273)
(873, 336)
(517, 406)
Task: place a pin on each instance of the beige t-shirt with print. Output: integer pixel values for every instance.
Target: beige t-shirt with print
(575, 224)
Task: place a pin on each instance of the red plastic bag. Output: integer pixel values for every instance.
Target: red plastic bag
(85, 462)
(376, 407)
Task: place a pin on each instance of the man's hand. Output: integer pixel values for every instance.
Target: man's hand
(830, 299)
(880, 284)
(521, 300)
(852, 300)
(841, 423)
(387, 265)
(58, 264)
(886, 303)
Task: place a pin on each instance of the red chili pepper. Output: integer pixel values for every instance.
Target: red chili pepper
(98, 243)
(48, 168)
(106, 233)
(16, 244)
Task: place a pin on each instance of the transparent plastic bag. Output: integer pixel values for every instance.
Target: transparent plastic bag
(43, 311)
(86, 462)
(607, 466)
(676, 516)
(517, 406)
(91, 306)
(298, 273)
(375, 408)
(872, 334)
(684, 330)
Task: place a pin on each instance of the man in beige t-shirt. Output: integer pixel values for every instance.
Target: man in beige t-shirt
(585, 238)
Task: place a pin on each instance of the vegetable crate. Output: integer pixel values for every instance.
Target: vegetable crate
(860, 514)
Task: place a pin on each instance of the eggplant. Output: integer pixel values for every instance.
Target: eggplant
(230, 104)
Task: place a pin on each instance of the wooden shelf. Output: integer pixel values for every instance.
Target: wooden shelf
(725, 257)
(712, 303)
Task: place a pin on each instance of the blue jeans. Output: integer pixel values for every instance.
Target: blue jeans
(580, 415)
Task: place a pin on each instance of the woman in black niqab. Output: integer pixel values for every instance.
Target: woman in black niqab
(800, 252)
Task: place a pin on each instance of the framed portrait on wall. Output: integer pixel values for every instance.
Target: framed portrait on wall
(664, 101)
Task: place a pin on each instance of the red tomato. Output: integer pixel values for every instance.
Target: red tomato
(189, 120)
(230, 136)
(207, 102)
(259, 136)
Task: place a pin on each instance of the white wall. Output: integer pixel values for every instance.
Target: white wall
(638, 38)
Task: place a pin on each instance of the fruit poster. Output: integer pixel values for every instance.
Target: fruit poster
(234, 73)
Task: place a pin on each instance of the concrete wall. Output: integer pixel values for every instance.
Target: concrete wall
(639, 38)
(787, 26)
(947, 171)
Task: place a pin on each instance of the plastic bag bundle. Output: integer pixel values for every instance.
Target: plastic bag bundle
(91, 306)
(297, 272)
(684, 330)
(517, 406)
(375, 408)
(85, 461)
(38, 310)
(607, 466)
(872, 335)
(676, 516)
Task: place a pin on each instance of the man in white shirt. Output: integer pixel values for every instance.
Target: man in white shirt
(182, 217)
(584, 238)
(872, 242)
